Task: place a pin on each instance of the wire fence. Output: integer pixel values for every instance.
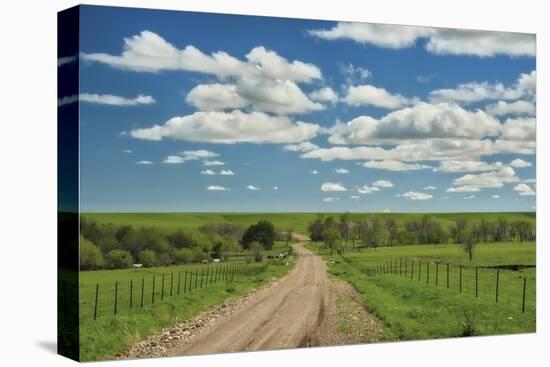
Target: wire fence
(497, 284)
(142, 293)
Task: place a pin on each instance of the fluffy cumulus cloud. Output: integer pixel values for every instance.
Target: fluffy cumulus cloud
(209, 163)
(189, 155)
(439, 40)
(520, 163)
(107, 99)
(393, 165)
(430, 188)
(524, 190)
(252, 188)
(215, 97)
(413, 195)
(476, 182)
(383, 183)
(333, 186)
(304, 146)
(330, 199)
(520, 129)
(144, 162)
(366, 189)
(325, 94)
(174, 159)
(422, 121)
(208, 172)
(467, 166)
(341, 171)
(216, 188)
(149, 52)
(365, 95)
(227, 172)
(520, 107)
(229, 128)
(525, 87)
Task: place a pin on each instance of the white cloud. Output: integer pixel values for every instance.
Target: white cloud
(479, 91)
(355, 197)
(422, 121)
(208, 172)
(174, 159)
(208, 163)
(355, 74)
(383, 183)
(275, 188)
(439, 40)
(430, 188)
(325, 94)
(144, 162)
(227, 172)
(393, 165)
(467, 166)
(148, 52)
(469, 197)
(107, 99)
(341, 171)
(217, 188)
(520, 163)
(215, 97)
(304, 146)
(524, 190)
(66, 60)
(370, 95)
(252, 187)
(314, 172)
(331, 186)
(495, 196)
(493, 179)
(229, 128)
(381, 35)
(417, 195)
(530, 180)
(519, 107)
(189, 155)
(464, 188)
(365, 189)
(330, 199)
(520, 129)
(127, 151)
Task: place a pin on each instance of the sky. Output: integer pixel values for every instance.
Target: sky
(197, 112)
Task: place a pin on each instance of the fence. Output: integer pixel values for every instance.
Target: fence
(498, 284)
(102, 299)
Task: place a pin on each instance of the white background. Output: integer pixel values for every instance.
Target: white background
(28, 69)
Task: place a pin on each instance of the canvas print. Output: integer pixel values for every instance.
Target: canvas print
(233, 183)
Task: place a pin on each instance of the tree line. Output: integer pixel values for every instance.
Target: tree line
(373, 231)
(109, 246)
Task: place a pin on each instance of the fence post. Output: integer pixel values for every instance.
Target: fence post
(523, 300)
(116, 295)
(427, 273)
(419, 269)
(436, 274)
(96, 297)
(185, 281)
(162, 289)
(477, 281)
(207, 273)
(395, 266)
(202, 277)
(412, 269)
(460, 276)
(142, 289)
(447, 275)
(496, 287)
(153, 292)
(171, 282)
(406, 262)
(131, 291)
(179, 282)
(196, 277)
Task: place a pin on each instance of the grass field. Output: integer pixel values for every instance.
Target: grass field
(108, 334)
(298, 222)
(415, 308)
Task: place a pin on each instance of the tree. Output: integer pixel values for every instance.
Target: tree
(376, 234)
(346, 226)
(502, 230)
(469, 242)
(148, 258)
(183, 255)
(90, 255)
(119, 259)
(316, 229)
(180, 239)
(262, 232)
(256, 251)
(332, 239)
(391, 228)
(458, 230)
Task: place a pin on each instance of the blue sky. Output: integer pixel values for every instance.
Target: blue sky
(306, 115)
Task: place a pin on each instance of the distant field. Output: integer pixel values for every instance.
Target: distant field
(415, 308)
(298, 222)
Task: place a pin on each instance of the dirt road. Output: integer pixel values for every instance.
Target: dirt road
(305, 308)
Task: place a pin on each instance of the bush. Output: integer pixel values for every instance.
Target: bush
(183, 256)
(119, 259)
(262, 232)
(90, 255)
(148, 258)
(180, 239)
(256, 251)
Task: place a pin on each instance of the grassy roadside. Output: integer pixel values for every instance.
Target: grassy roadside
(109, 335)
(415, 310)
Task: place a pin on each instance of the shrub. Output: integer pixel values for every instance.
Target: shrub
(256, 251)
(119, 259)
(262, 232)
(183, 255)
(148, 258)
(90, 255)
